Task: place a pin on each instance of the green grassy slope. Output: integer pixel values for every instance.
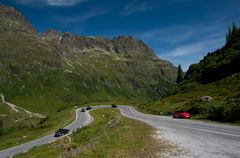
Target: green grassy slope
(51, 77)
(72, 69)
(18, 127)
(225, 104)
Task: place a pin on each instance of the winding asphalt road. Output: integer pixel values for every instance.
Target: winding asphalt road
(81, 119)
(199, 139)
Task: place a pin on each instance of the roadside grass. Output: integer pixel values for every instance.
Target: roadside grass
(10, 117)
(110, 135)
(58, 113)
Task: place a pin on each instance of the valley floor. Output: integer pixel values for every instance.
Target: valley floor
(113, 135)
(110, 135)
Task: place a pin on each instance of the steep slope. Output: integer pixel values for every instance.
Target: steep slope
(14, 21)
(27, 62)
(219, 64)
(111, 71)
(217, 75)
(73, 69)
(53, 72)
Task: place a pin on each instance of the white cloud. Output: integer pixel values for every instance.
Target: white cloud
(193, 48)
(134, 7)
(186, 44)
(168, 35)
(182, 33)
(51, 2)
(192, 53)
(82, 17)
(63, 2)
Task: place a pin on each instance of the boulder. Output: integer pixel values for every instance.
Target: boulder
(206, 98)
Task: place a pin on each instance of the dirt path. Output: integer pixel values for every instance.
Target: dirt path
(17, 108)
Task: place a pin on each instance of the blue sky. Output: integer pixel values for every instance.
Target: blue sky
(180, 31)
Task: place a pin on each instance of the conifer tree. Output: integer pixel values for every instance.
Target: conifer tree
(180, 74)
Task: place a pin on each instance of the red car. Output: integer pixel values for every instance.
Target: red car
(182, 114)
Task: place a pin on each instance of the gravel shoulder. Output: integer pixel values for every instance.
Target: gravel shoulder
(195, 138)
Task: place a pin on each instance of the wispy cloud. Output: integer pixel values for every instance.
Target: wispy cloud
(85, 16)
(134, 7)
(191, 53)
(51, 2)
(168, 34)
(141, 6)
(63, 2)
(196, 47)
(186, 44)
(181, 33)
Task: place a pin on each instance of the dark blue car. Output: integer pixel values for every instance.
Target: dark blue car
(61, 132)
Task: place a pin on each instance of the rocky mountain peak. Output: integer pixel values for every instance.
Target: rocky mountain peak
(12, 20)
(126, 45)
(67, 35)
(129, 45)
(52, 35)
(123, 67)
(124, 39)
(10, 12)
(85, 42)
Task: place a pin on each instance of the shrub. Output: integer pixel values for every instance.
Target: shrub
(1, 127)
(43, 120)
(224, 113)
(232, 114)
(216, 113)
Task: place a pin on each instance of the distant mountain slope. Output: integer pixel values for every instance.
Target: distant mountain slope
(217, 76)
(75, 69)
(51, 73)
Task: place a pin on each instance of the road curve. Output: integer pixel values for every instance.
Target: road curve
(200, 139)
(81, 119)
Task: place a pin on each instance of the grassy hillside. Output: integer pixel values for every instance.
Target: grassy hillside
(216, 75)
(53, 72)
(18, 127)
(224, 107)
(75, 69)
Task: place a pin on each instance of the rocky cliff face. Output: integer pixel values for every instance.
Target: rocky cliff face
(68, 40)
(13, 20)
(72, 67)
(129, 46)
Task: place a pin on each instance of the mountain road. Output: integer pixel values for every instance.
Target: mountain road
(197, 138)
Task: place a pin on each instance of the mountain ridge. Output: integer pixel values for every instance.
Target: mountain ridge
(111, 67)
